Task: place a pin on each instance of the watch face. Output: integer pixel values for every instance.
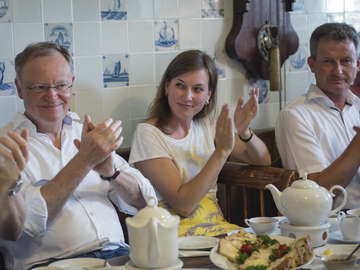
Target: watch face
(16, 187)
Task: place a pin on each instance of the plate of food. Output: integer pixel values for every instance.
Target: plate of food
(336, 249)
(197, 242)
(244, 249)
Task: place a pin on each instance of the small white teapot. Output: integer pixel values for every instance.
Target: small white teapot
(153, 237)
(305, 203)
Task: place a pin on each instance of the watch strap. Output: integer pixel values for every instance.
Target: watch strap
(248, 139)
(110, 178)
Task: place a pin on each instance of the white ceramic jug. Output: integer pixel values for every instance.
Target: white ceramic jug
(153, 237)
(349, 226)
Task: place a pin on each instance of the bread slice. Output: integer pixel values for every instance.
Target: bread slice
(230, 245)
(301, 252)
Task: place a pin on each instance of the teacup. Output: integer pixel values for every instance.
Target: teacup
(262, 225)
(337, 262)
(349, 226)
(334, 223)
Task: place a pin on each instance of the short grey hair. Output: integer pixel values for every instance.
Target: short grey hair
(334, 31)
(34, 50)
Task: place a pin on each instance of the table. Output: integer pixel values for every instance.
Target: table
(205, 262)
(189, 262)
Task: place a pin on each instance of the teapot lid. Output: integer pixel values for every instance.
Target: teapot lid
(151, 210)
(304, 183)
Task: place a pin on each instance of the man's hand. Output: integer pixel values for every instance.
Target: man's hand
(245, 114)
(97, 144)
(14, 155)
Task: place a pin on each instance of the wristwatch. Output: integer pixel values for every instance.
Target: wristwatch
(15, 187)
(248, 139)
(117, 172)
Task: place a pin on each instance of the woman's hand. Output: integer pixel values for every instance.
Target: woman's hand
(224, 137)
(245, 114)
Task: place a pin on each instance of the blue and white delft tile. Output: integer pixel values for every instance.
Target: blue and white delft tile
(113, 10)
(213, 8)
(7, 71)
(166, 35)
(61, 34)
(299, 6)
(219, 59)
(5, 11)
(116, 70)
(335, 17)
(263, 89)
(298, 60)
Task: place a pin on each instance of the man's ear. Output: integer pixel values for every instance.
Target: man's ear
(311, 63)
(18, 88)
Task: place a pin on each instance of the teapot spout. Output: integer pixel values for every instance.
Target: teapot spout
(276, 194)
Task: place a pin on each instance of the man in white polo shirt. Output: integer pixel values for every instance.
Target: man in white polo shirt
(318, 132)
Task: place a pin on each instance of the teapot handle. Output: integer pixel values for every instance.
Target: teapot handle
(333, 212)
(154, 251)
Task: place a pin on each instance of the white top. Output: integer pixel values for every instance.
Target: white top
(190, 154)
(88, 220)
(311, 133)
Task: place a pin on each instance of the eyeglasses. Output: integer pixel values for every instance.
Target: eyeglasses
(41, 89)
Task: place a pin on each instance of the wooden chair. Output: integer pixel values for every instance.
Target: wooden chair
(252, 178)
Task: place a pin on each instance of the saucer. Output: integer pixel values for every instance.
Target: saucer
(339, 237)
(130, 266)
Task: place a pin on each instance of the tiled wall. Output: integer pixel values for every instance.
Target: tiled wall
(121, 48)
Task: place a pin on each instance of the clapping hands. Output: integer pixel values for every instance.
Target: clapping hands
(245, 114)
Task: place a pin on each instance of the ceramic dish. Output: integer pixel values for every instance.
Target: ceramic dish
(276, 232)
(322, 267)
(319, 234)
(339, 237)
(197, 242)
(224, 263)
(130, 266)
(78, 262)
(337, 249)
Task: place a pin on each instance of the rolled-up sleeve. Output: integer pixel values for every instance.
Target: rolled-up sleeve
(146, 188)
(37, 213)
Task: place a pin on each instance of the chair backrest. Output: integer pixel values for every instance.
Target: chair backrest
(252, 177)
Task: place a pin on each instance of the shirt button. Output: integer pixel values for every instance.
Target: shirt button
(101, 236)
(91, 213)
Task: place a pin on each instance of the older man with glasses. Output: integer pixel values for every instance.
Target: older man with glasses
(73, 171)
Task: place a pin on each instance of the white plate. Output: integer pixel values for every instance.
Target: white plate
(322, 267)
(224, 263)
(337, 249)
(197, 242)
(78, 262)
(130, 266)
(339, 237)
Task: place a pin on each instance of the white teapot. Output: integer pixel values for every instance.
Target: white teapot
(153, 237)
(305, 203)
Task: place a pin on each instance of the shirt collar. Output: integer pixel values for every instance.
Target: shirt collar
(316, 93)
(21, 121)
